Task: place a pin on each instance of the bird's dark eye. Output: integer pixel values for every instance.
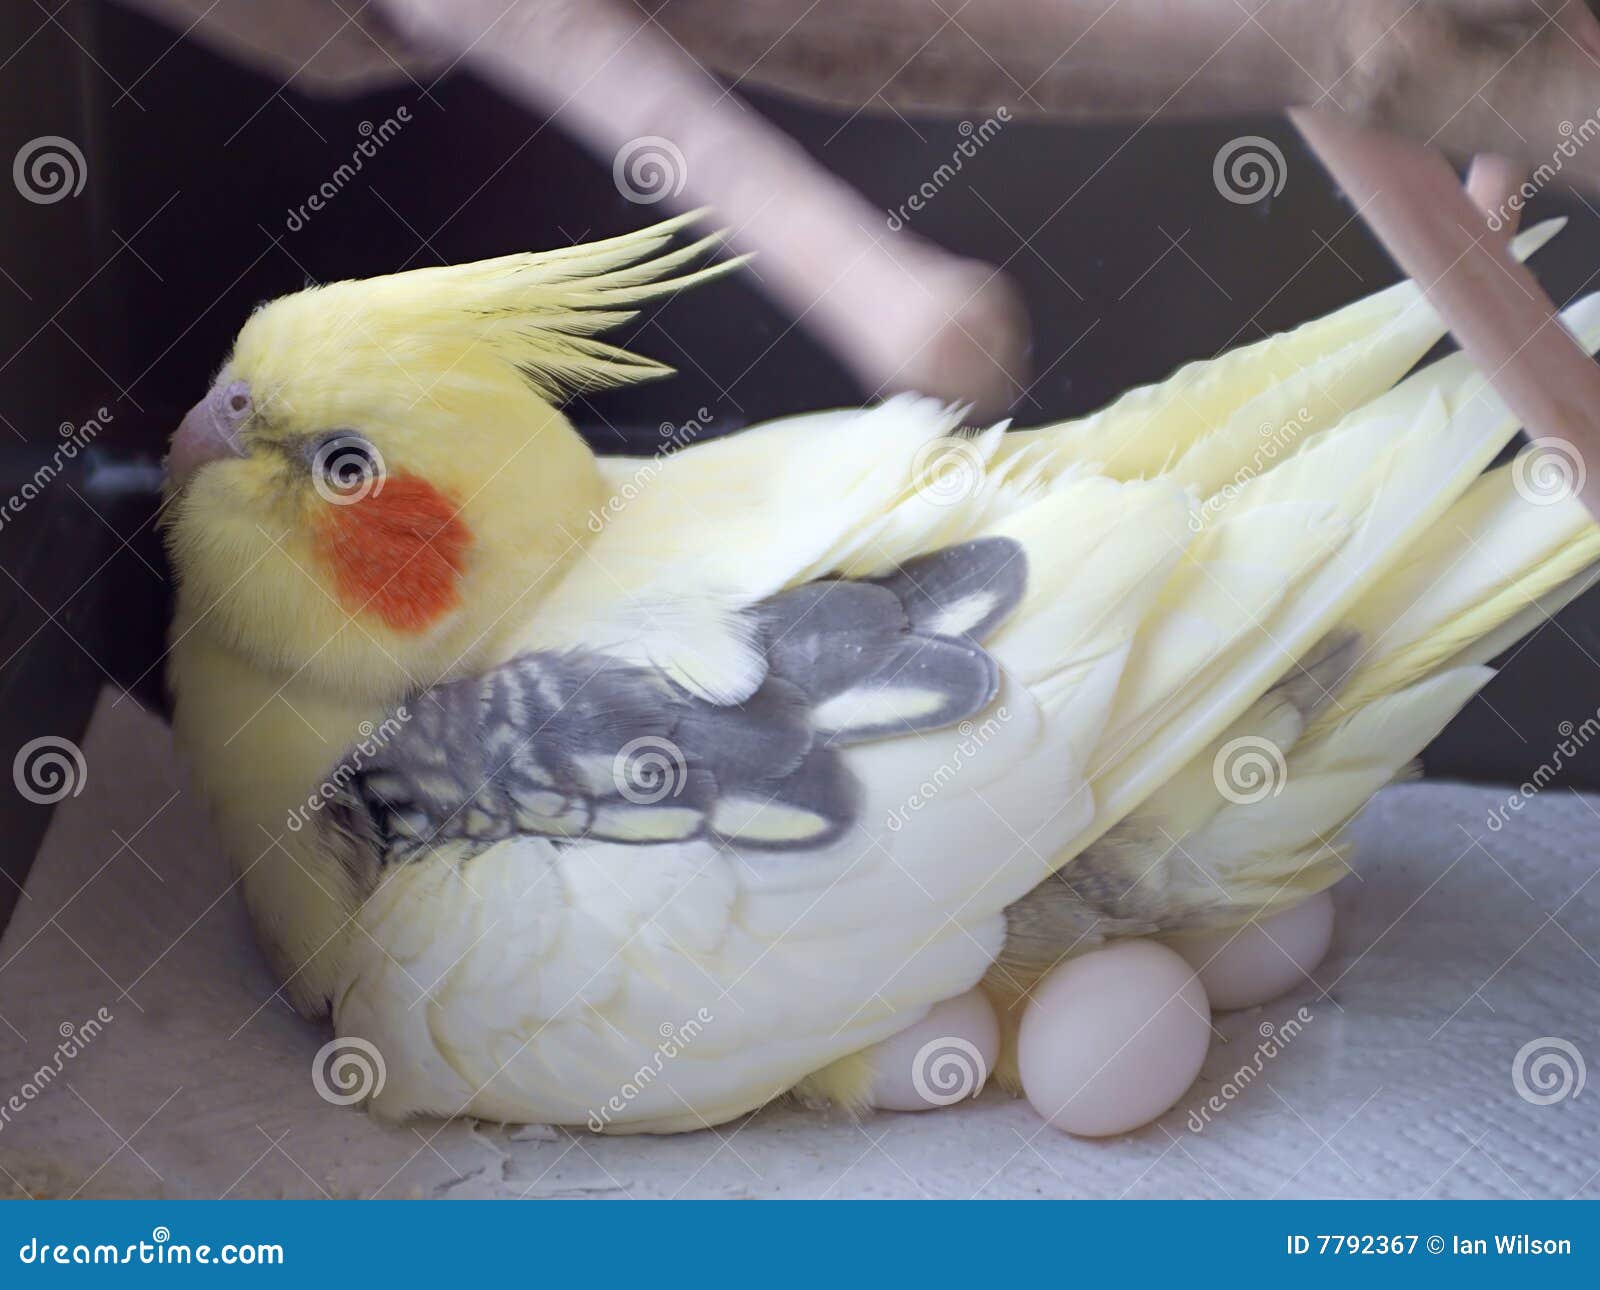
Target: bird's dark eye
(346, 467)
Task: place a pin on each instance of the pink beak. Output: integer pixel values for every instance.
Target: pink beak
(209, 431)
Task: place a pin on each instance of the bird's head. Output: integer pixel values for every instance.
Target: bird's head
(380, 475)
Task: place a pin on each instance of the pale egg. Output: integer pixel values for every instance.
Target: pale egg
(1113, 1038)
(1264, 959)
(942, 1059)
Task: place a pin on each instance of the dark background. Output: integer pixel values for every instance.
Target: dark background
(126, 298)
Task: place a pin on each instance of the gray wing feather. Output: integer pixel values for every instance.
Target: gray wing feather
(582, 745)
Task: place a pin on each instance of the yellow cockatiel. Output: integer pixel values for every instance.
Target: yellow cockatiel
(528, 757)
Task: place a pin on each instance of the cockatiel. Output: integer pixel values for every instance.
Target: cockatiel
(528, 758)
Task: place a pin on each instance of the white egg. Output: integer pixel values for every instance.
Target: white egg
(1113, 1038)
(1264, 959)
(942, 1059)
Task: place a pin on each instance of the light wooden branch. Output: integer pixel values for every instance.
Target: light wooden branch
(1376, 84)
(1495, 308)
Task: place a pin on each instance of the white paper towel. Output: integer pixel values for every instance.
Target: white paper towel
(1455, 947)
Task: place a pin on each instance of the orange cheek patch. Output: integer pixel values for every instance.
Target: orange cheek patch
(397, 553)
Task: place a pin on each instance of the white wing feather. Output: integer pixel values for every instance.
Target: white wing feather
(1157, 610)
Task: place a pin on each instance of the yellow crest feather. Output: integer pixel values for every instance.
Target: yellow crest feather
(537, 312)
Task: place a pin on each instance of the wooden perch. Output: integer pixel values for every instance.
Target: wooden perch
(1495, 308)
(1376, 85)
(319, 46)
(899, 312)
(1466, 76)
